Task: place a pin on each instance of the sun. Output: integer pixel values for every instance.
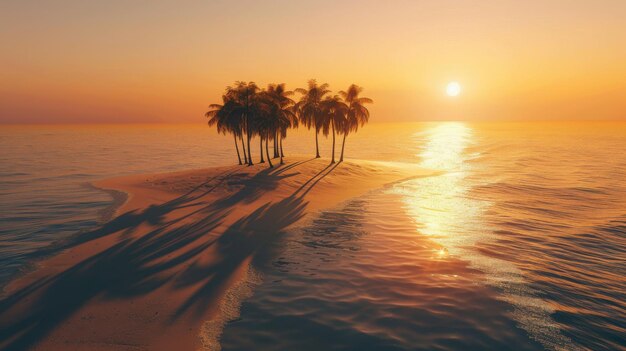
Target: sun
(453, 89)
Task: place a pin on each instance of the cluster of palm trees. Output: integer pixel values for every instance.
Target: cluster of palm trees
(248, 111)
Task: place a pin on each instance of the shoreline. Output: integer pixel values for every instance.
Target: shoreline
(174, 248)
(118, 198)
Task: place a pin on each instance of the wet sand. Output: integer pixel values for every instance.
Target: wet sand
(157, 274)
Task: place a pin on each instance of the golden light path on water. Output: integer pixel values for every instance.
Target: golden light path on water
(444, 210)
(442, 207)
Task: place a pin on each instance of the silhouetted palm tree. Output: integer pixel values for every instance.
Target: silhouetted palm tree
(333, 117)
(282, 110)
(222, 117)
(309, 110)
(357, 114)
(266, 123)
(246, 108)
(286, 124)
(269, 114)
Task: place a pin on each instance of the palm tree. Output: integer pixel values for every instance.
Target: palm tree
(309, 109)
(225, 121)
(333, 117)
(284, 124)
(357, 114)
(245, 108)
(266, 123)
(264, 128)
(281, 108)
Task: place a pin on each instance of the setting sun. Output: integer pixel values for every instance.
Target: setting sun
(453, 89)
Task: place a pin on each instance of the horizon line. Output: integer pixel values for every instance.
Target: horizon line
(76, 123)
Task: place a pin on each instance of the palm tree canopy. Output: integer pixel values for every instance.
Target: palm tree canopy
(222, 116)
(334, 111)
(238, 111)
(357, 114)
(308, 108)
(246, 105)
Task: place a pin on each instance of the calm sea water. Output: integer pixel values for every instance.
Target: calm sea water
(519, 243)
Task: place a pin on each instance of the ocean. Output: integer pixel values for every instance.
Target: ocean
(518, 242)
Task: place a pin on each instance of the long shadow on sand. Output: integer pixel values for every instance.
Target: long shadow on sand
(135, 266)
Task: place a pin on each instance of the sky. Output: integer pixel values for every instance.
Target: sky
(166, 61)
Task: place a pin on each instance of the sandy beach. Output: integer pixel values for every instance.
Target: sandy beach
(157, 275)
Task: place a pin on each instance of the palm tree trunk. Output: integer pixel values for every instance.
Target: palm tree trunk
(282, 154)
(249, 153)
(267, 150)
(243, 146)
(317, 148)
(332, 124)
(261, 148)
(343, 144)
(275, 144)
(237, 148)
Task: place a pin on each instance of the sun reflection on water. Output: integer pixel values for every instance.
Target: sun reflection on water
(444, 146)
(438, 204)
(442, 209)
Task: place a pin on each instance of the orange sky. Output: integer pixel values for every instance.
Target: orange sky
(142, 61)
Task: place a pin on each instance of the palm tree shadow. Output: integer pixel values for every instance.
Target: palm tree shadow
(132, 267)
(128, 221)
(251, 237)
(290, 166)
(135, 266)
(307, 186)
